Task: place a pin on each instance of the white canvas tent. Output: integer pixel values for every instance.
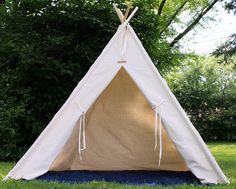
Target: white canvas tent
(121, 116)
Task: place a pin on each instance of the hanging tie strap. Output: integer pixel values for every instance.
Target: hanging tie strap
(124, 23)
(158, 123)
(82, 139)
(124, 45)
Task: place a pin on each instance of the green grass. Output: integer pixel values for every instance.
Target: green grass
(225, 153)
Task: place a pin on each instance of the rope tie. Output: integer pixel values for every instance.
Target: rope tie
(82, 136)
(124, 45)
(158, 122)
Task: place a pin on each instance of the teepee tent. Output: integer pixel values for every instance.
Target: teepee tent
(121, 116)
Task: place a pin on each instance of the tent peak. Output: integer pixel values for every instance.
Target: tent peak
(125, 18)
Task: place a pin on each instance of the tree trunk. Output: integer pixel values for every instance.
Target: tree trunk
(173, 16)
(161, 7)
(194, 23)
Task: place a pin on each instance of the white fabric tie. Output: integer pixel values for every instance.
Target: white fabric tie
(82, 135)
(124, 45)
(125, 38)
(158, 123)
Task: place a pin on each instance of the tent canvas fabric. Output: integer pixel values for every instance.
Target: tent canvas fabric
(118, 113)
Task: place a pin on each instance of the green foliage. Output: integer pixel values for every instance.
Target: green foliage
(228, 48)
(45, 50)
(46, 47)
(207, 92)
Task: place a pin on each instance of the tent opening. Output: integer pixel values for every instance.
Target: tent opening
(119, 134)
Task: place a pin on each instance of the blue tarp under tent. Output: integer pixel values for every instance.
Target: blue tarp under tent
(153, 178)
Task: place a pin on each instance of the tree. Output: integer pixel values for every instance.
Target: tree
(207, 90)
(194, 22)
(231, 6)
(228, 49)
(46, 47)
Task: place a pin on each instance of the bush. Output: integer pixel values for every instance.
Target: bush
(42, 58)
(207, 91)
(46, 47)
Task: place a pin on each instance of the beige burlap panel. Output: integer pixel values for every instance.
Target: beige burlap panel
(119, 134)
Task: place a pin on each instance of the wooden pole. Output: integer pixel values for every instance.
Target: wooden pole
(127, 12)
(119, 13)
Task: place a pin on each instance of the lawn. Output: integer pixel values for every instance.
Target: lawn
(225, 153)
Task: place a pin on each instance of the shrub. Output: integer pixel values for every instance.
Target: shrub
(207, 91)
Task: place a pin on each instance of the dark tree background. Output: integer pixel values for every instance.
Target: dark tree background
(46, 47)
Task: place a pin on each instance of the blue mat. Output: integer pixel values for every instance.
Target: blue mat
(154, 178)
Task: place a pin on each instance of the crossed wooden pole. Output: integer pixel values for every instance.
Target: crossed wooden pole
(124, 17)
